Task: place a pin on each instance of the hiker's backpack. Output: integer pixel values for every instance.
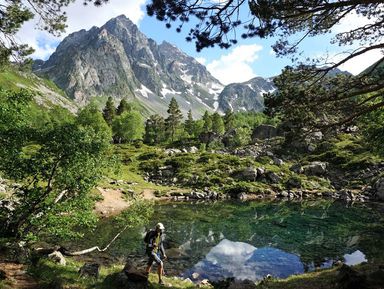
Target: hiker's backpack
(147, 236)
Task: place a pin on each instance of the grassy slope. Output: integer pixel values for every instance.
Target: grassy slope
(217, 171)
(46, 91)
(129, 170)
(49, 273)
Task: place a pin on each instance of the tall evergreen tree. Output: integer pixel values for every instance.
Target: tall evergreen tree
(217, 124)
(154, 129)
(109, 111)
(207, 127)
(229, 120)
(124, 106)
(189, 124)
(172, 123)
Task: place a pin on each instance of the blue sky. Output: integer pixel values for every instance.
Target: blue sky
(249, 58)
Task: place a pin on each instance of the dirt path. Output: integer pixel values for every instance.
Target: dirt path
(112, 204)
(17, 276)
(148, 194)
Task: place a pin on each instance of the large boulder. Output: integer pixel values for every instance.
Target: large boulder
(133, 273)
(132, 278)
(315, 168)
(90, 270)
(349, 278)
(247, 174)
(242, 284)
(379, 189)
(273, 178)
(264, 131)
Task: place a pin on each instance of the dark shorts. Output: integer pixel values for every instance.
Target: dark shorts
(154, 257)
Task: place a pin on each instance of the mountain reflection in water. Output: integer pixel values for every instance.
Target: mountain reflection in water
(244, 261)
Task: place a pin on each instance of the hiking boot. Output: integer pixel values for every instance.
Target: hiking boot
(161, 282)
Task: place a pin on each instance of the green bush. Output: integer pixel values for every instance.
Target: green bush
(181, 162)
(150, 165)
(240, 187)
(150, 155)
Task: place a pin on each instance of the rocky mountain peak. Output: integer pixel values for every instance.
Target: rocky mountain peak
(118, 60)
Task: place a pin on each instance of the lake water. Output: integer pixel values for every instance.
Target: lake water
(248, 240)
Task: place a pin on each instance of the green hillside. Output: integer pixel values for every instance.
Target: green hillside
(46, 92)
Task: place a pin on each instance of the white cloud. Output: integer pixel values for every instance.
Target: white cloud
(201, 60)
(350, 22)
(235, 66)
(361, 62)
(79, 17)
(354, 65)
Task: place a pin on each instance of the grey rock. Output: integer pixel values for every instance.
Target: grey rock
(90, 270)
(241, 196)
(347, 195)
(278, 162)
(379, 189)
(293, 183)
(247, 174)
(296, 168)
(193, 150)
(263, 132)
(283, 194)
(315, 168)
(195, 276)
(133, 273)
(260, 171)
(273, 178)
(242, 284)
(311, 147)
(171, 152)
(3, 188)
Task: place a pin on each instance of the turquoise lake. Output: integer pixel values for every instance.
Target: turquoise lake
(248, 240)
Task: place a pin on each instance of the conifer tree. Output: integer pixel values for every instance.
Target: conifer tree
(207, 127)
(172, 123)
(109, 111)
(217, 124)
(124, 106)
(189, 124)
(229, 120)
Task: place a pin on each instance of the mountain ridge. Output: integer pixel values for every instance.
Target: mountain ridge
(118, 60)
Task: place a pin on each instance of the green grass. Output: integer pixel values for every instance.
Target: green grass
(323, 279)
(128, 156)
(50, 274)
(11, 79)
(346, 152)
(200, 170)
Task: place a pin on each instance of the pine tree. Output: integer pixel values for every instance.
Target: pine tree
(217, 124)
(189, 124)
(124, 106)
(207, 127)
(229, 120)
(109, 111)
(172, 123)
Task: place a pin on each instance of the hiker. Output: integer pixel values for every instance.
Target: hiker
(155, 249)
